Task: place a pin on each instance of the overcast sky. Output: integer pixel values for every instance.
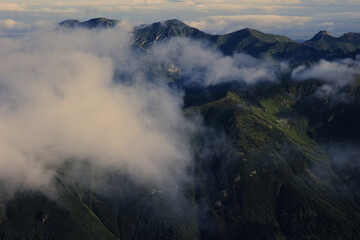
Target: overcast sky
(298, 19)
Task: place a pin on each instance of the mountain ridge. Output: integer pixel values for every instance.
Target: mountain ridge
(251, 41)
(91, 23)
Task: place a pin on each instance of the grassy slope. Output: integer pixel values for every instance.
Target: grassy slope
(267, 179)
(286, 185)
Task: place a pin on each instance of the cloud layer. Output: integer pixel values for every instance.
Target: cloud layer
(59, 102)
(294, 18)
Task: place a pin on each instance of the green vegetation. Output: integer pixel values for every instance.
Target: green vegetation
(2, 212)
(258, 173)
(273, 160)
(324, 41)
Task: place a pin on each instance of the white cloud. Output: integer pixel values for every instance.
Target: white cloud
(221, 24)
(10, 27)
(12, 7)
(199, 66)
(335, 75)
(58, 102)
(340, 73)
(327, 24)
(10, 24)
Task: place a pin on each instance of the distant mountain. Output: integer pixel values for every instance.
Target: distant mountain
(247, 40)
(324, 41)
(253, 42)
(147, 35)
(250, 41)
(92, 23)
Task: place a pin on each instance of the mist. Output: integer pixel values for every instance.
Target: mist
(199, 64)
(59, 102)
(335, 75)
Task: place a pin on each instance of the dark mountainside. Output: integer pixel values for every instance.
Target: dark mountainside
(254, 42)
(275, 173)
(90, 24)
(250, 41)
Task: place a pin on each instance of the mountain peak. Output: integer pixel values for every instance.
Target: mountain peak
(320, 35)
(91, 23)
(174, 21)
(352, 36)
(70, 23)
(100, 22)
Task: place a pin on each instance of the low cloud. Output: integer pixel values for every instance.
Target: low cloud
(202, 65)
(342, 154)
(334, 74)
(59, 103)
(10, 27)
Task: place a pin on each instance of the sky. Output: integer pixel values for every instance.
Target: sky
(298, 19)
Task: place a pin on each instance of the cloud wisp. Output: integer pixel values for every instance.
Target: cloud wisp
(335, 74)
(199, 64)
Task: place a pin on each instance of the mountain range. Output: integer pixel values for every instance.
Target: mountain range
(275, 173)
(250, 41)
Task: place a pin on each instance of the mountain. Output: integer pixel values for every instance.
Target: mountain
(278, 183)
(92, 23)
(253, 42)
(250, 41)
(271, 178)
(273, 161)
(324, 41)
(147, 35)
(247, 40)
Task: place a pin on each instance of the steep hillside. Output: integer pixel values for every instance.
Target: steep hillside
(248, 40)
(323, 40)
(147, 35)
(260, 171)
